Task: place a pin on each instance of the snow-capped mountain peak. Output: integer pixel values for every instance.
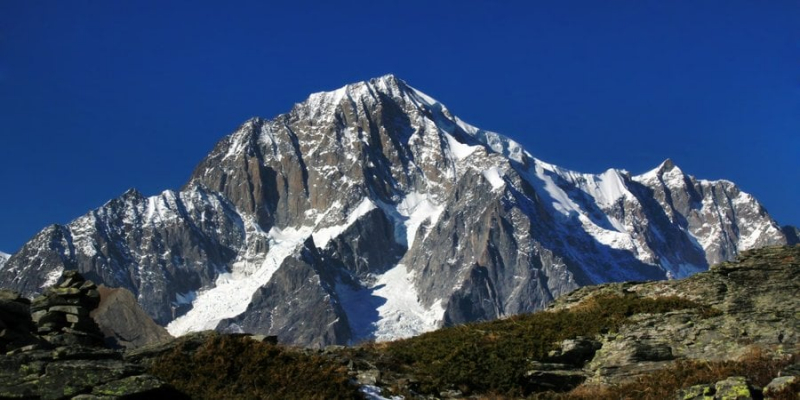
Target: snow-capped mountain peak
(3, 258)
(371, 211)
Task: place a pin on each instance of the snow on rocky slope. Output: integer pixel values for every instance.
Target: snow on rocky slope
(372, 212)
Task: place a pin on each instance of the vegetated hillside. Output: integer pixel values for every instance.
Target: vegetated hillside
(626, 340)
(731, 329)
(372, 212)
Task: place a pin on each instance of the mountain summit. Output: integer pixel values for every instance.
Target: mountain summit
(373, 212)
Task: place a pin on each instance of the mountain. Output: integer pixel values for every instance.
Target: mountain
(3, 258)
(726, 333)
(373, 212)
(792, 234)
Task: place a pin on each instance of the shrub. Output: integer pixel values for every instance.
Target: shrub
(758, 367)
(492, 357)
(228, 366)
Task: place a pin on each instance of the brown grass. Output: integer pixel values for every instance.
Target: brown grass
(228, 367)
(492, 357)
(757, 366)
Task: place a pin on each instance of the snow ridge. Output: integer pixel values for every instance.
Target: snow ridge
(3, 258)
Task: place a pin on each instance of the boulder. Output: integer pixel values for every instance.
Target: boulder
(123, 322)
(553, 380)
(575, 351)
(779, 384)
(733, 388)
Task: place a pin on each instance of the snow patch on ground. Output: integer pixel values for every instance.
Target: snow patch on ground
(613, 239)
(372, 392)
(416, 208)
(607, 187)
(681, 270)
(159, 208)
(185, 298)
(52, 277)
(232, 291)
(756, 235)
(560, 200)
(324, 235)
(238, 140)
(495, 177)
(82, 231)
(459, 150)
(399, 311)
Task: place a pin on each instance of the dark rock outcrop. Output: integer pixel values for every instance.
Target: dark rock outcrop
(16, 326)
(57, 351)
(77, 372)
(756, 298)
(61, 313)
(123, 322)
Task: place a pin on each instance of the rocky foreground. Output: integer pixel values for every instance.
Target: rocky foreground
(731, 332)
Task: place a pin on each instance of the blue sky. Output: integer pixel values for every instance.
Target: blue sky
(100, 96)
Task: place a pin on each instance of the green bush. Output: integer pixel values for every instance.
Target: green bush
(227, 367)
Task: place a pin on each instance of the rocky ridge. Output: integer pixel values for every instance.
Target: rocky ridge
(722, 315)
(393, 217)
(746, 309)
(3, 258)
(757, 299)
(52, 349)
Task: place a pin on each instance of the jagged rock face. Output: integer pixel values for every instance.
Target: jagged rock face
(156, 247)
(3, 258)
(295, 305)
(417, 219)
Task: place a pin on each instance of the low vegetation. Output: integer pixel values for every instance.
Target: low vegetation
(492, 357)
(487, 359)
(759, 368)
(228, 367)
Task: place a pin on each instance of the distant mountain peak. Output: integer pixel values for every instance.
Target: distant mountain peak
(666, 165)
(667, 171)
(371, 211)
(132, 193)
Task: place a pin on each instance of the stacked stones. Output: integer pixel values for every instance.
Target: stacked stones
(61, 313)
(15, 321)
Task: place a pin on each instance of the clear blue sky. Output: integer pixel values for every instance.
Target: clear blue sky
(100, 96)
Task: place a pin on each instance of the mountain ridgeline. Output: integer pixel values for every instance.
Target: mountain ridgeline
(372, 212)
